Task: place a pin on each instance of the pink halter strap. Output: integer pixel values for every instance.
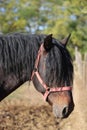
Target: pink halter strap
(48, 90)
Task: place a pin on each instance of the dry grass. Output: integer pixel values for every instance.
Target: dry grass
(26, 110)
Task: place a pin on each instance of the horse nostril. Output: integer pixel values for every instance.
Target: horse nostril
(65, 111)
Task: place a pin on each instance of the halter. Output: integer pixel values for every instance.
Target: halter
(48, 90)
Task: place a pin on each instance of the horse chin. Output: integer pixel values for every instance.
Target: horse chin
(62, 104)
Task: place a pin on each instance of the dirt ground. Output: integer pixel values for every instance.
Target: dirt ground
(25, 110)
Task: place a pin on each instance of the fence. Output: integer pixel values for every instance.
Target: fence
(81, 66)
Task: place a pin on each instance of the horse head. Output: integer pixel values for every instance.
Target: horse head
(53, 75)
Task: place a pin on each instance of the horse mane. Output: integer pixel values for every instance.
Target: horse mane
(18, 52)
(59, 64)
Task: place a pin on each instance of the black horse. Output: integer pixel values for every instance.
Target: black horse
(43, 59)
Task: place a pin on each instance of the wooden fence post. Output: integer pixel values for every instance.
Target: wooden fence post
(85, 70)
(81, 66)
(78, 61)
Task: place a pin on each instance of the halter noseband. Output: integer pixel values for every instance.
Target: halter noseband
(48, 90)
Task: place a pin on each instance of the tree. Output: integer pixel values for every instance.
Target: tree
(71, 17)
(42, 16)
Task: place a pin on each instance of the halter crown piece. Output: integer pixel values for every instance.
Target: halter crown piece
(48, 90)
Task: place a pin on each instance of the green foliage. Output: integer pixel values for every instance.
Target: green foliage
(59, 17)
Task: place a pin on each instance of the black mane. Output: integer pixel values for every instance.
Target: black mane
(59, 64)
(18, 53)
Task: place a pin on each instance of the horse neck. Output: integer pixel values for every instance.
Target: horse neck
(12, 81)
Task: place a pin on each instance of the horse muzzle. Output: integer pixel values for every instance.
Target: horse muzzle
(62, 103)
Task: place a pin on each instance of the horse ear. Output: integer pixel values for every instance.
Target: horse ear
(65, 40)
(48, 42)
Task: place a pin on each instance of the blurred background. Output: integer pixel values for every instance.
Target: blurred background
(24, 109)
(59, 17)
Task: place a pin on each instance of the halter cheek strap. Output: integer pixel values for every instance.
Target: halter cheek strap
(48, 90)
